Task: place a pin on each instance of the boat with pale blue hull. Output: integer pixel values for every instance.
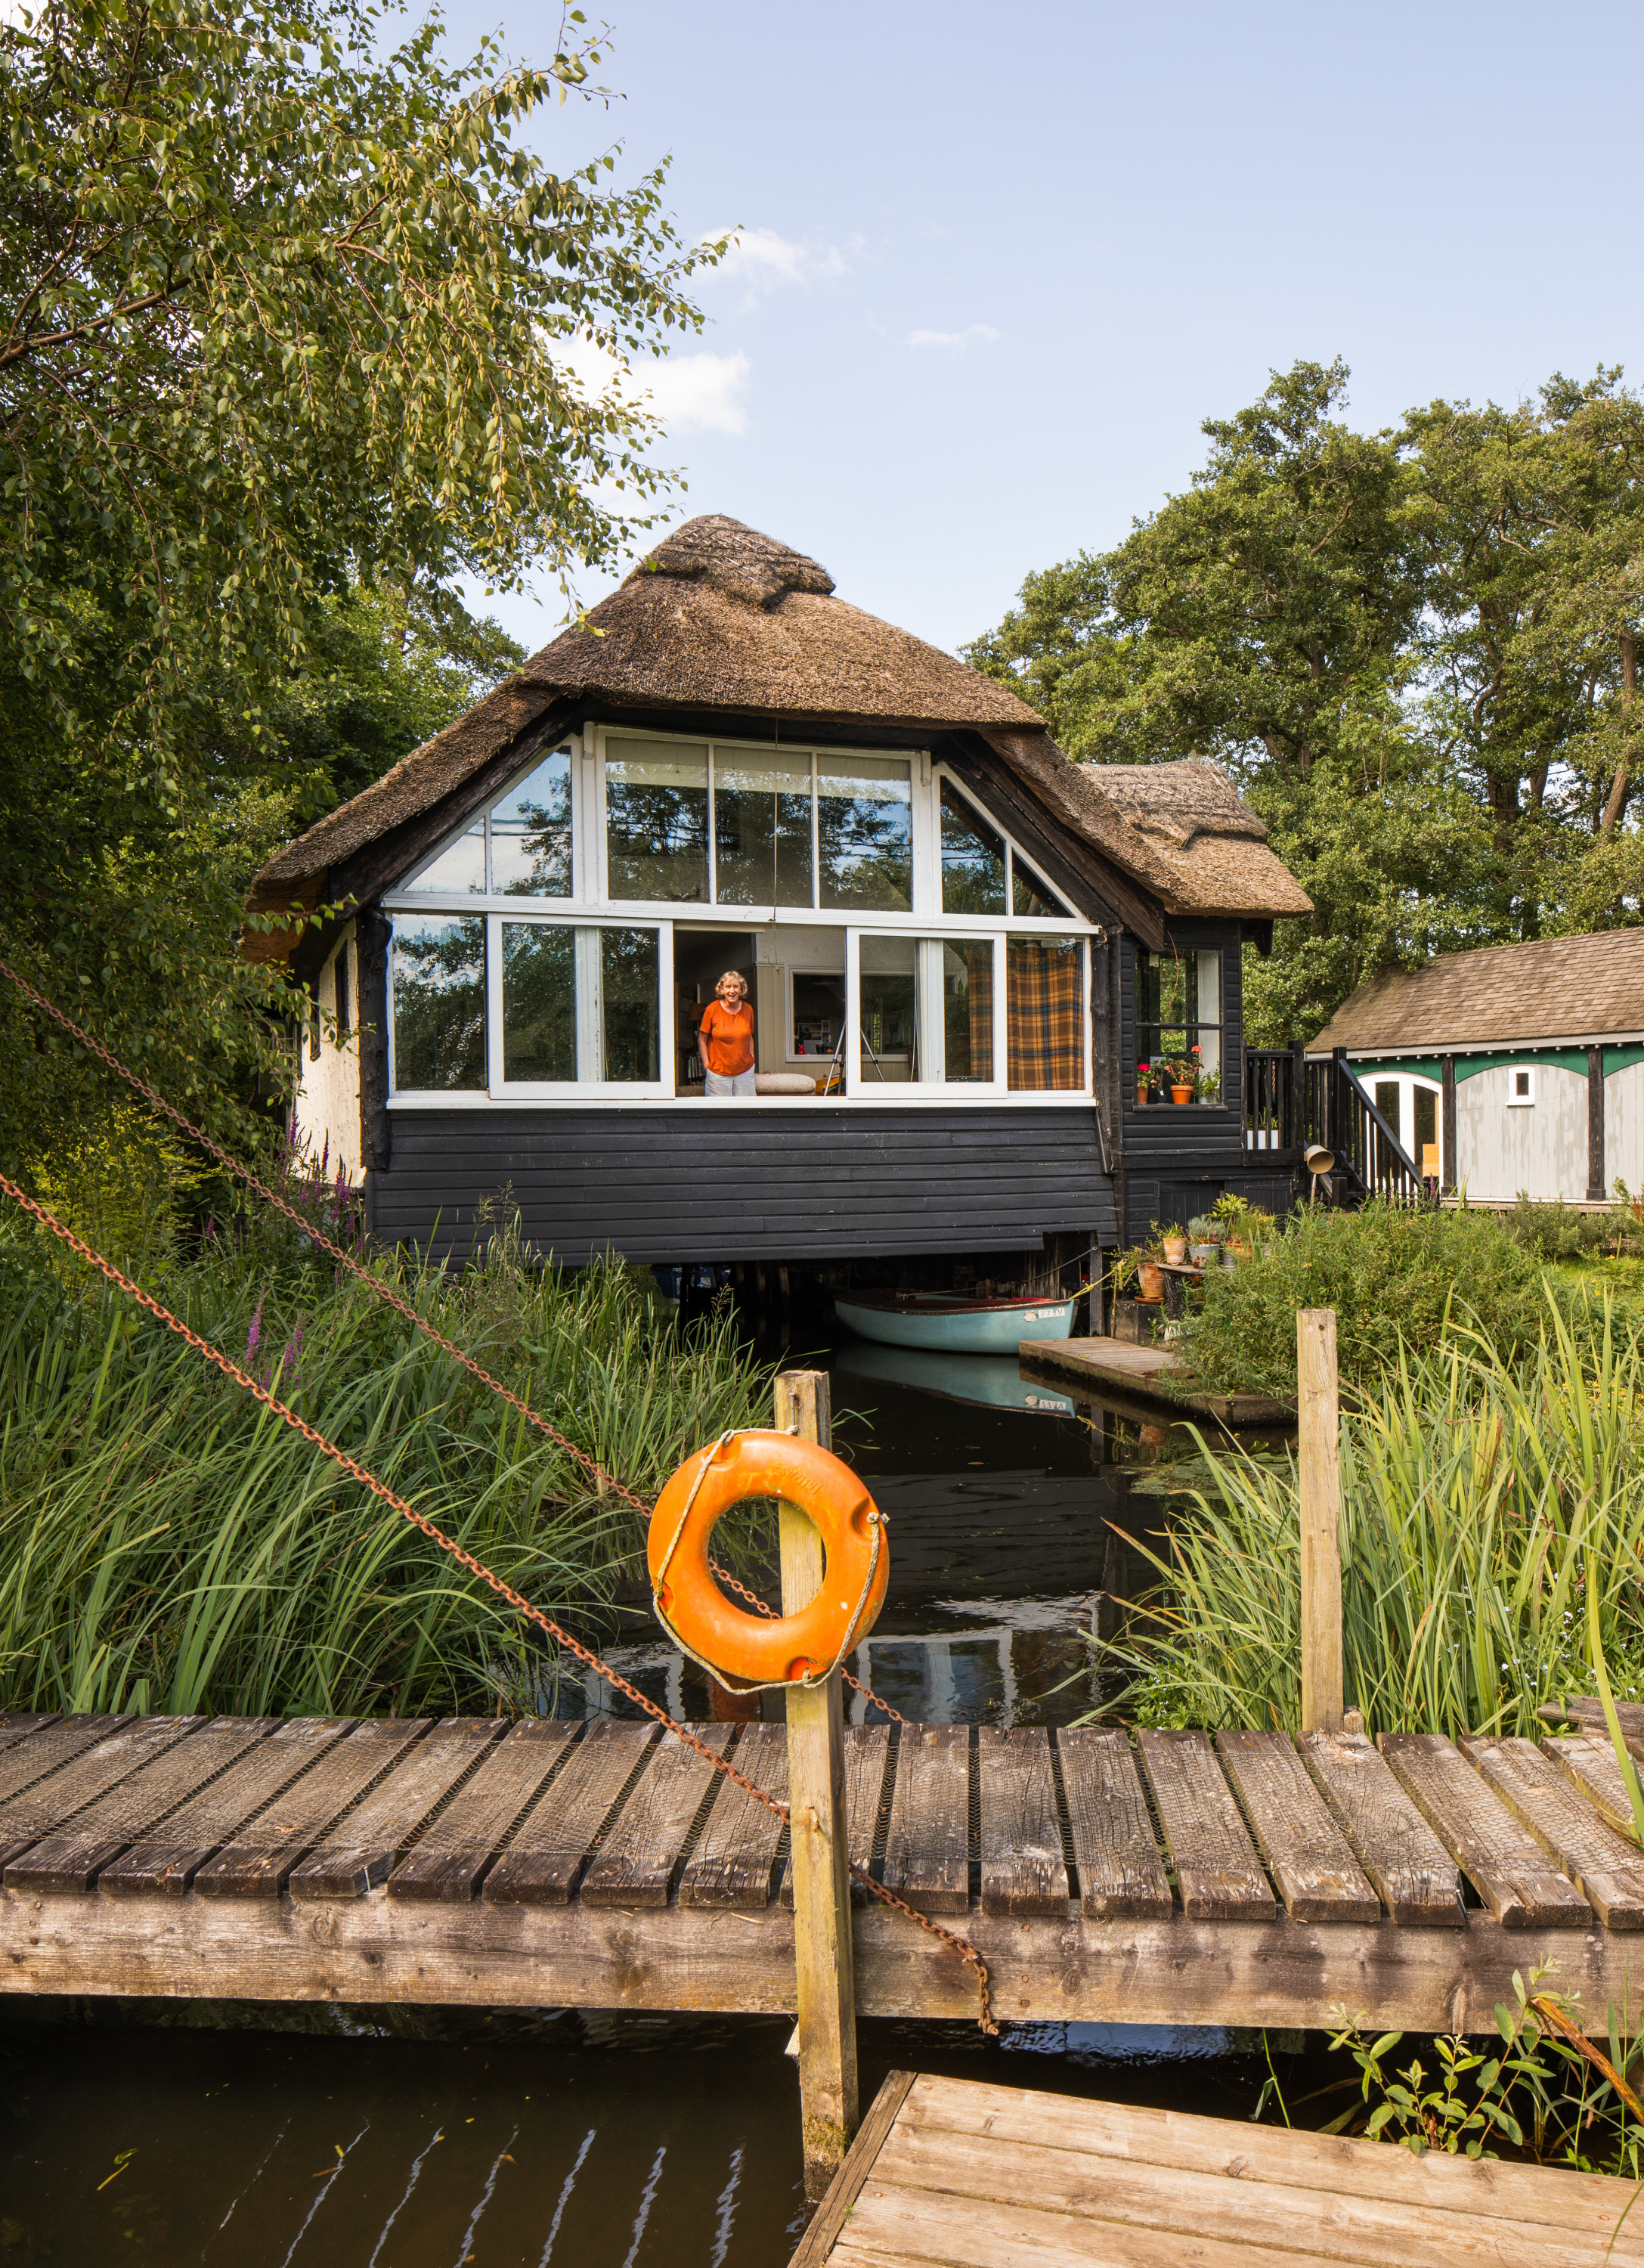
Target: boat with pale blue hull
(950, 1324)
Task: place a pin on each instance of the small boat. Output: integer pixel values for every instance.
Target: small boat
(953, 1325)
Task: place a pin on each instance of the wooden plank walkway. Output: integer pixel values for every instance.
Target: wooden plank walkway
(1164, 1877)
(946, 2172)
(1113, 1370)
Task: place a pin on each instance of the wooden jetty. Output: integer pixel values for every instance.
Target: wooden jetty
(946, 2173)
(1113, 1370)
(1163, 1877)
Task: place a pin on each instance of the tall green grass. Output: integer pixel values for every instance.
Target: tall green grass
(166, 1545)
(1474, 1488)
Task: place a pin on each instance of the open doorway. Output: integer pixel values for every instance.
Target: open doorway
(700, 958)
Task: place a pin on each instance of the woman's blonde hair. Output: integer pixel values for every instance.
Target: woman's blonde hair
(736, 977)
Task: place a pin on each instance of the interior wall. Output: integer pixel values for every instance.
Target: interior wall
(326, 1115)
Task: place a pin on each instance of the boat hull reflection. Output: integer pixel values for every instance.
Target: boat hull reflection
(990, 1381)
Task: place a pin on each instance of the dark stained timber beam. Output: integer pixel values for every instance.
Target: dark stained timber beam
(1595, 1125)
(376, 1948)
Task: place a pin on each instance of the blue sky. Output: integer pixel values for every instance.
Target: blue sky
(998, 264)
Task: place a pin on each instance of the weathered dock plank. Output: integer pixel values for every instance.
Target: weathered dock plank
(730, 1866)
(1217, 1871)
(259, 1859)
(1590, 1761)
(72, 1857)
(1120, 1871)
(1503, 1862)
(1150, 1375)
(1416, 1879)
(867, 1752)
(1307, 1856)
(167, 1858)
(82, 1771)
(360, 1849)
(1023, 1868)
(545, 1854)
(1606, 1868)
(956, 2175)
(635, 1864)
(449, 1856)
(927, 1856)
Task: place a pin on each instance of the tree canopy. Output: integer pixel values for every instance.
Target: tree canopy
(1415, 650)
(286, 320)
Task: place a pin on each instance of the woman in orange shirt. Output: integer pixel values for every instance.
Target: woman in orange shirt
(726, 1039)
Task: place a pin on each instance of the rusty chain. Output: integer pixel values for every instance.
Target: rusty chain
(505, 1591)
(605, 1482)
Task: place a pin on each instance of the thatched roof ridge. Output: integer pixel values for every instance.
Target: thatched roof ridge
(1200, 831)
(1550, 990)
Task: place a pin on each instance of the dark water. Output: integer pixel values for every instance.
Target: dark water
(436, 2139)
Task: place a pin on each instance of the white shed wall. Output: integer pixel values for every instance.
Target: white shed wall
(1539, 1147)
(326, 1114)
(1623, 1128)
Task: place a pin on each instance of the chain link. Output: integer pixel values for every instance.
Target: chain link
(464, 1558)
(605, 1482)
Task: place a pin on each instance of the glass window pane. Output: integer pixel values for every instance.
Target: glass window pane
(531, 833)
(967, 1009)
(437, 976)
(628, 980)
(1387, 1104)
(819, 1012)
(538, 1002)
(888, 1009)
(761, 829)
(1028, 894)
(1178, 1019)
(1045, 1014)
(864, 826)
(1427, 1128)
(460, 866)
(656, 820)
(973, 860)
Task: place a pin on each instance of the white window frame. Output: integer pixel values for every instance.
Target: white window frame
(1515, 1072)
(409, 896)
(1032, 922)
(587, 1012)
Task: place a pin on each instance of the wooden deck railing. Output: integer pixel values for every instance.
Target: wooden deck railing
(1292, 1099)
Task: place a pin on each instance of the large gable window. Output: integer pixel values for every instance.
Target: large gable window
(865, 834)
(764, 837)
(524, 842)
(984, 873)
(656, 822)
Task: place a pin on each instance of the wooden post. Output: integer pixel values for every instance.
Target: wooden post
(823, 1951)
(1319, 1456)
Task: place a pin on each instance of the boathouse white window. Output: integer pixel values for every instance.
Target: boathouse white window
(695, 823)
(437, 1018)
(525, 837)
(1522, 1087)
(580, 1006)
(982, 872)
(1178, 1009)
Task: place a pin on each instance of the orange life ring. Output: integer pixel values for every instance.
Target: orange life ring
(785, 1649)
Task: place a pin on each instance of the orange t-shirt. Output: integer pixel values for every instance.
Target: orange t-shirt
(728, 1039)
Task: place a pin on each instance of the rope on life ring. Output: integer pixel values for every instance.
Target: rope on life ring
(746, 1652)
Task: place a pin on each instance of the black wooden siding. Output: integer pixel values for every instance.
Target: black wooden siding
(1178, 1160)
(723, 1184)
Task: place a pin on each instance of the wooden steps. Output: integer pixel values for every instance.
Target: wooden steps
(946, 2172)
(1158, 1877)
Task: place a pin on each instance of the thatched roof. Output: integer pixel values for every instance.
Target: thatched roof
(1552, 990)
(1209, 842)
(721, 621)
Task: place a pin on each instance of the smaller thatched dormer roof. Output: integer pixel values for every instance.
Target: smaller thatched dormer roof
(1212, 847)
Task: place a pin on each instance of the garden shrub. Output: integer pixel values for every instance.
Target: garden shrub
(1391, 1272)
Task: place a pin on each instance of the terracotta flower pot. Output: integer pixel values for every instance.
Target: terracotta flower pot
(1141, 1092)
(1241, 1247)
(1149, 1283)
(1181, 1095)
(1176, 1247)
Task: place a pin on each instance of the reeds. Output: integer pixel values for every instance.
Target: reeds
(1476, 1493)
(166, 1545)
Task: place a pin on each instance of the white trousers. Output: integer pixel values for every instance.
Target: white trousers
(716, 1083)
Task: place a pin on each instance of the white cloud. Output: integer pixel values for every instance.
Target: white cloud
(975, 335)
(760, 260)
(702, 393)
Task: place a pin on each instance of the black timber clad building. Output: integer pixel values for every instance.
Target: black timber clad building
(960, 949)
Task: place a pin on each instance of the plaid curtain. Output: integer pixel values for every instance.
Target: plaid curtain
(1045, 1034)
(979, 963)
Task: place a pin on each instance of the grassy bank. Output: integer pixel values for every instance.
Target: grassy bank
(1474, 1485)
(166, 1545)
